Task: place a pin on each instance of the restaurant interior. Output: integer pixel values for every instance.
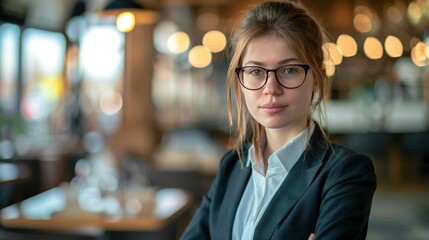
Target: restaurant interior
(113, 114)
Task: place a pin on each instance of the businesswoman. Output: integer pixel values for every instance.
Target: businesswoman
(282, 178)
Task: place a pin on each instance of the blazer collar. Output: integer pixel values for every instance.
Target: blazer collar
(295, 184)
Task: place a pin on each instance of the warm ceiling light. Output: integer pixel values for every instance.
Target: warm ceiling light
(362, 23)
(125, 22)
(418, 54)
(393, 46)
(178, 42)
(373, 48)
(215, 41)
(200, 56)
(347, 44)
(415, 13)
(394, 14)
(330, 70)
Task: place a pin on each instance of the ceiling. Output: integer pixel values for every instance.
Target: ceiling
(53, 14)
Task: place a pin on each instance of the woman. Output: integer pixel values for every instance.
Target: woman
(282, 179)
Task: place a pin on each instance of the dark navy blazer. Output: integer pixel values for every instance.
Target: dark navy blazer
(328, 192)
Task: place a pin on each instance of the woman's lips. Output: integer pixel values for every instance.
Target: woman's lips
(272, 108)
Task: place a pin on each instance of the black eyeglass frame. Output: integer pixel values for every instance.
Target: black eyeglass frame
(306, 67)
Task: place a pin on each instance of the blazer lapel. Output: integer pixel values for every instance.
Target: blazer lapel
(292, 188)
(237, 183)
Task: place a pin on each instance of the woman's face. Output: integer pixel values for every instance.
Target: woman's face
(274, 106)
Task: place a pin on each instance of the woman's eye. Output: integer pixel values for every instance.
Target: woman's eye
(290, 70)
(255, 72)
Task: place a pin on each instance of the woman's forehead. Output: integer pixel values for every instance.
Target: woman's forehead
(268, 48)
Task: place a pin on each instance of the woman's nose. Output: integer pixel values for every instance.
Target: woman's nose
(272, 86)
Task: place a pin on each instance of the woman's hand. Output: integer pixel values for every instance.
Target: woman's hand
(312, 237)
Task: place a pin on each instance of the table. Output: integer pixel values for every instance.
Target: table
(13, 173)
(14, 178)
(50, 210)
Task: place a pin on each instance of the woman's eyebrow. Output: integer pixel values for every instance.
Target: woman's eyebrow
(258, 63)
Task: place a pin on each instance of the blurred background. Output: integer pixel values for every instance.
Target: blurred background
(133, 92)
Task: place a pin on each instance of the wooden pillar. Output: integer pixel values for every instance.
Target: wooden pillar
(137, 133)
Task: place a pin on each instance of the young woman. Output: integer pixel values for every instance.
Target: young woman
(282, 178)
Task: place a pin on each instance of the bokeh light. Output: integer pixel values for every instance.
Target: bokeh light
(215, 41)
(362, 23)
(347, 44)
(178, 42)
(414, 12)
(330, 70)
(418, 54)
(126, 21)
(393, 46)
(373, 48)
(52, 88)
(394, 14)
(93, 142)
(200, 56)
(111, 102)
(32, 107)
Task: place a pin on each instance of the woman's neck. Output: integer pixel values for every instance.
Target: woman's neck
(277, 138)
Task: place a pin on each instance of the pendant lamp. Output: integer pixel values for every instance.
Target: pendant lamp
(142, 14)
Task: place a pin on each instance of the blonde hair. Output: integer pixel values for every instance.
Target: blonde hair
(290, 21)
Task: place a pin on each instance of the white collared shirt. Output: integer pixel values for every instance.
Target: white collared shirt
(261, 188)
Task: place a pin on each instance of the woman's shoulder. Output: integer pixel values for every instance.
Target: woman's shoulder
(343, 155)
(339, 149)
(345, 164)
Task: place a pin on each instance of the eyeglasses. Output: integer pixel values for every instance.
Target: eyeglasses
(288, 76)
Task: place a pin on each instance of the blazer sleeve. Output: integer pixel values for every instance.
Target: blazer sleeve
(346, 198)
(199, 226)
